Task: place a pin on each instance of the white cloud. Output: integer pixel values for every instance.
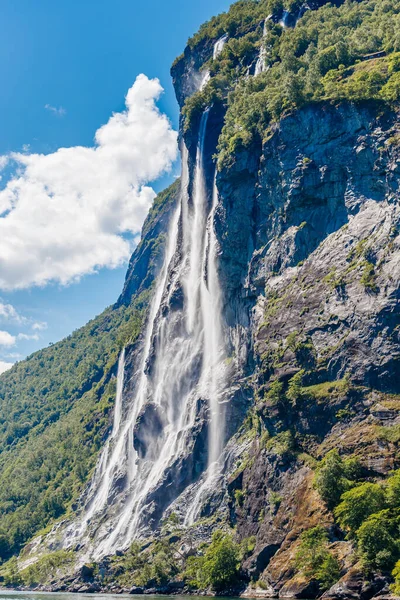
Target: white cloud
(26, 336)
(59, 112)
(8, 313)
(78, 209)
(39, 326)
(6, 339)
(4, 366)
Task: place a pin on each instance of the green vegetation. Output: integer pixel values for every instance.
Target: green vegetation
(157, 565)
(320, 59)
(358, 504)
(218, 568)
(334, 476)
(65, 394)
(396, 574)
(368, 512)
(60, 398)
(315, 560)
(45, 568)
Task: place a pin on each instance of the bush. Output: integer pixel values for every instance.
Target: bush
(294, 391)
(395, 587)
(392, 489)
(314, 559)
(275, 393)
(218, 567)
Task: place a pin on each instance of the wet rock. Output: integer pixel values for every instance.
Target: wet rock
(136, 590)
(148, 427)
(86, 572)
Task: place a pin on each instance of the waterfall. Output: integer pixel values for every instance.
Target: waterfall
(219, 45)
(284, 20)
(303, 9)
(118, 396)
(260, 64)
(180, 368)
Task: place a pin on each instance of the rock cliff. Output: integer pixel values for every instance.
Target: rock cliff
(307, 225)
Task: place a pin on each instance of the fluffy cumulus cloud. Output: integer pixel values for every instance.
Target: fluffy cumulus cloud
(76, 210)
(6, 339)
(4, 366)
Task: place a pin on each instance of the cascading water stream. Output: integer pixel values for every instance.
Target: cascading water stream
(118, 396)
(218, 47)
(180, 366)
(260, 64)
(284, 20)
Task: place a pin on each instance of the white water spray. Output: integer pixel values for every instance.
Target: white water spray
(284, 20)
(219, 45)
(180, 366)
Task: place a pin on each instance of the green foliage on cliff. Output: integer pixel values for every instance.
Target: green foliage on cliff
(218, 567)
(318, 60)
(314, 559)
(335, 476)
(325, 57)
(368, 512)
(47, 567)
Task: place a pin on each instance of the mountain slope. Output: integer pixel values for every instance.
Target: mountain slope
(56, 406)
(298, 106)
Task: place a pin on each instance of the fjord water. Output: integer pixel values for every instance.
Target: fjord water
(15, 595)
(181, 363)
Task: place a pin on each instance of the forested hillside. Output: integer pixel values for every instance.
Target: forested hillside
(56, 406)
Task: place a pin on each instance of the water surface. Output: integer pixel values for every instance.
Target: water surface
(16, 595)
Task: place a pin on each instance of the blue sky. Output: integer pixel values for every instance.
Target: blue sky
(65, 68)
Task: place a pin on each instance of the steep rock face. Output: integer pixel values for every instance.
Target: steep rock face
(308, 226)
(314, 222)
(146, 261)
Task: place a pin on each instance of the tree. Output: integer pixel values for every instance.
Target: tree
(330, 479)
(395, 587)
(218, 567)
(358, 504)
(392, 489)
(314, 559)
(376, 540)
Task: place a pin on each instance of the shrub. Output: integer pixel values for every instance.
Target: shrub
(330, 479)
(294, 391)
(392, 489)
(275, 393)
(218, 567)
(395, 587)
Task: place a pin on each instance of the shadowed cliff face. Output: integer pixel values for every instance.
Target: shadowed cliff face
(310, 236)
